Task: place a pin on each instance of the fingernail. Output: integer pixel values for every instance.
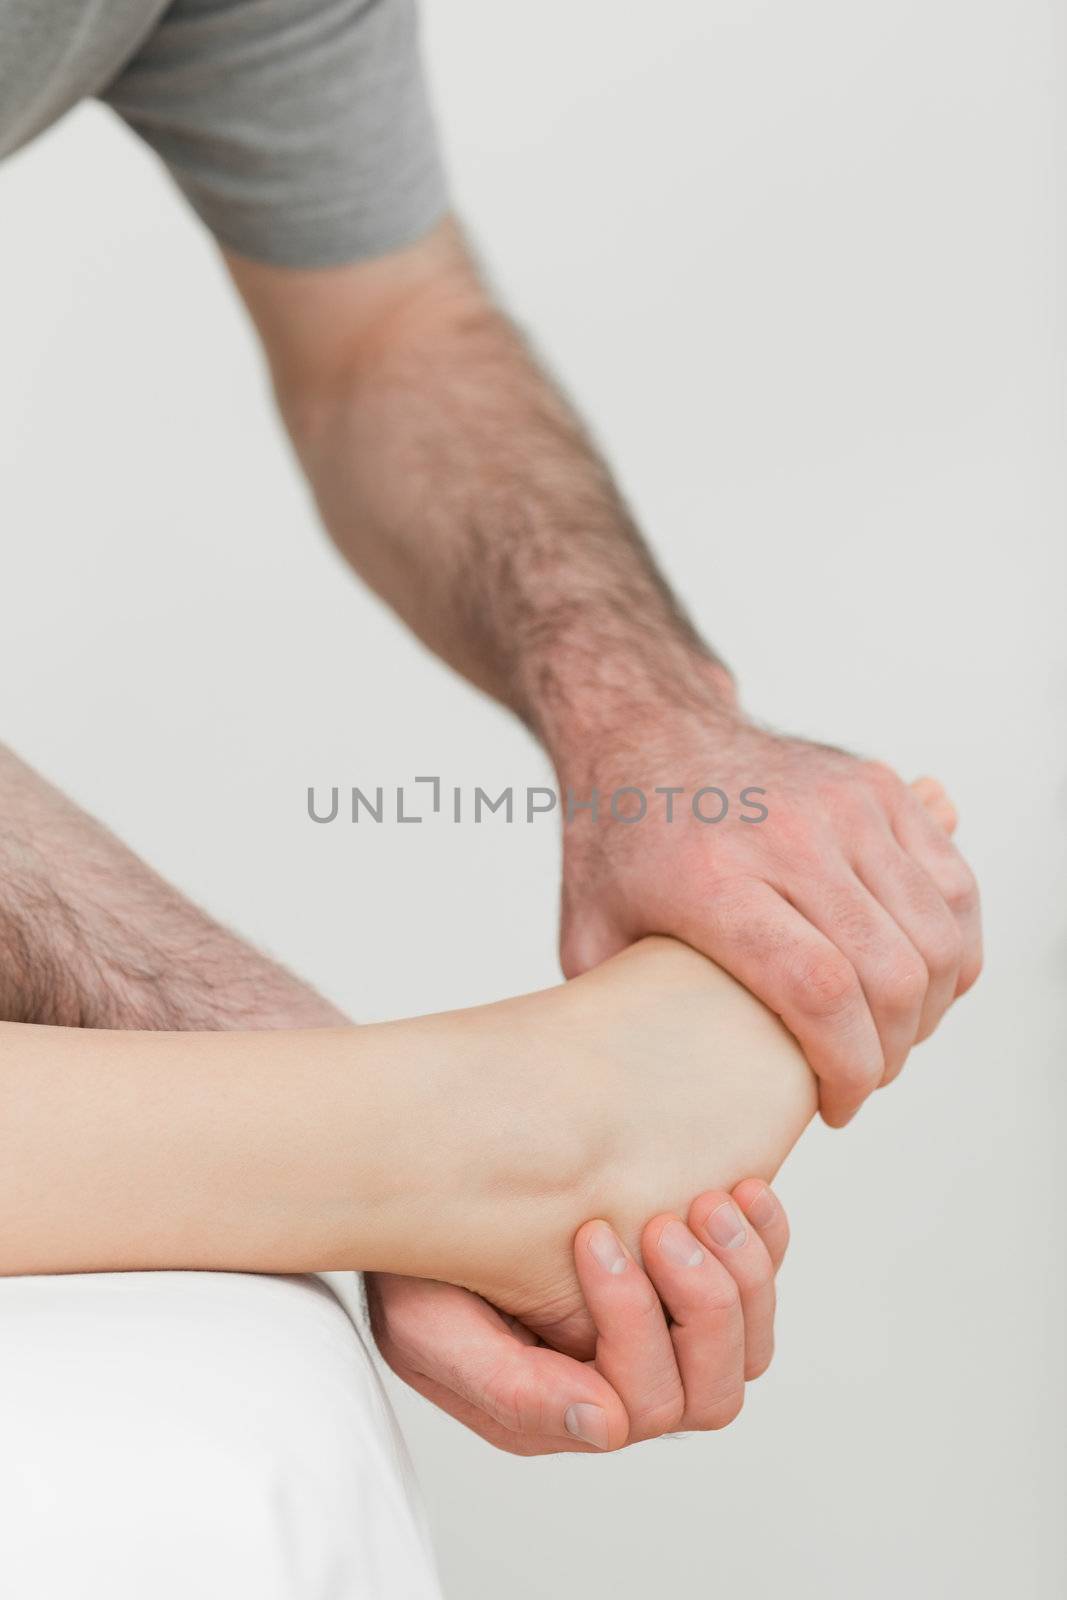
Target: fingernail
(587, 1423)
(606, 1249)
(725, 1226)
(679, 1245)
(763, 1209)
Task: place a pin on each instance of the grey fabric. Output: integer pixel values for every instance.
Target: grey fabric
(299, 130)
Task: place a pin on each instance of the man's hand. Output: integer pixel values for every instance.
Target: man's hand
(847, 909)
(650, 1376)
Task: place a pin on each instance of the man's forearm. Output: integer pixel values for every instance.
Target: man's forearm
(91, 937)
(464, 489)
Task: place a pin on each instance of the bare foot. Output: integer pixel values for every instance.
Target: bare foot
(621, 1094)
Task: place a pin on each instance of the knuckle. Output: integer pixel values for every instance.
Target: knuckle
(825, 983)
(664, 1414)
(943, 949)
(880, 776)
(794, 834)
(509, 1403)
(902, 987)
(719, 1292)
(519, 1405)
(960, 890)
(851, 918)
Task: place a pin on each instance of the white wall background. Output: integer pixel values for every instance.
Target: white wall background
(804, 268)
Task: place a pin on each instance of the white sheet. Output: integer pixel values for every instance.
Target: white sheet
(170, 1435)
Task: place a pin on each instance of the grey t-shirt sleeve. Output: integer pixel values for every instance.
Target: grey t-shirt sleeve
(299, 130)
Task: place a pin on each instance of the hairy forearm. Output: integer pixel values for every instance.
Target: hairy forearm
(91, 937)
(462, 486)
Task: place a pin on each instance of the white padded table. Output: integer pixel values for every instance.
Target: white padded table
(165, 1435)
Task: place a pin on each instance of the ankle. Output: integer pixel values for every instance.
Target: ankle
(523, 1126)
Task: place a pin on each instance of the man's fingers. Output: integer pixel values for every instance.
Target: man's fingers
(891, 970)
(721, 1226)
(939, 806)
(634, 1348)
(767, 1215)
(707, 1322)
(491, 1374)
(913, 900)
(926, 842)
(770, 947)
(936, 800)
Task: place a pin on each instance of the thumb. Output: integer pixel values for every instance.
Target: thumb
(491, 1374)
(586, 939)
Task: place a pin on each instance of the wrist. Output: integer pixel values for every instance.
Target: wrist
(505, 1142)
(596, 712)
